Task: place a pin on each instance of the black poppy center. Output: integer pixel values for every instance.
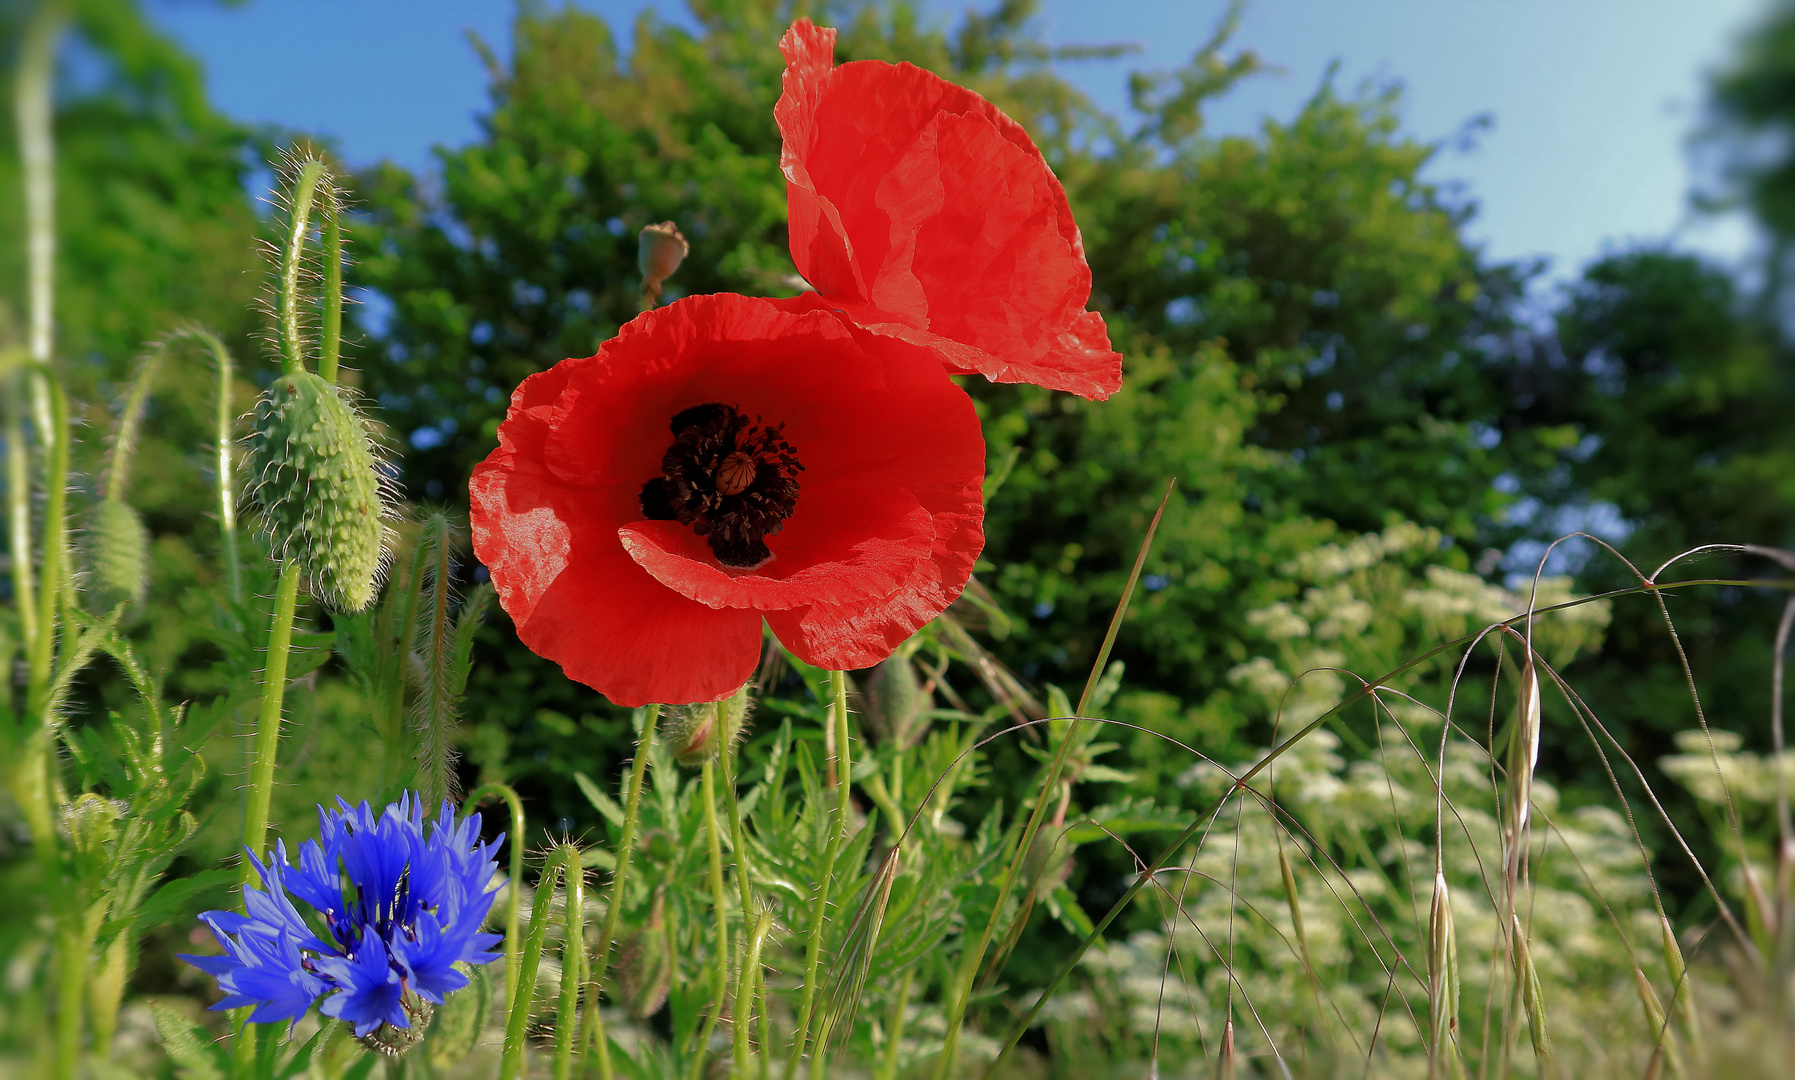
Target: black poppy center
(734, 481)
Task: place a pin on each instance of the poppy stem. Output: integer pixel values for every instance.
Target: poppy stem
(564, 859)
(720, 904)
(267, 736)
(838, 719)
(744, 994)
(614, 905)
(515, 884)
(573, 957)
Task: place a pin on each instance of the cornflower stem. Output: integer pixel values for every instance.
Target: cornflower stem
(513, 958)
(744, 994)
(626, 843)
(573, 958)
(267, 735)
(838, 687)
(305, 187)
(565, 859)
(720, 905)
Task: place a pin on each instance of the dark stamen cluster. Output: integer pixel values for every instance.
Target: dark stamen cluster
(734, 482)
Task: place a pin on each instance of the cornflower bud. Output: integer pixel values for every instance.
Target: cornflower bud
(319, 487)
(660, 250)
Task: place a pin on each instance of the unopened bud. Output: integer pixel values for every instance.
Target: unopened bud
(660, 250)
(697, 732)
(318, 484)
(118, 554)
(895, 703)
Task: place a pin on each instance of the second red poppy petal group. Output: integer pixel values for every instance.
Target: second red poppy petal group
(807, 463)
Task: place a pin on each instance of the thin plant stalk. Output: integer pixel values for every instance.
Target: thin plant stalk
(838, 692)
(973, 957)
(744, 994)
(34, 785)
(720, 905)
(573, 958)
(513, 958)
(34, 78)
(266, 743)
(626, 843)
(331, 339)
(894, 1040)
(563, 860)
(18, 509)
(225, 425)
(305, 188)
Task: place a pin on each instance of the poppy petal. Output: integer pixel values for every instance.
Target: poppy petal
(919, 210)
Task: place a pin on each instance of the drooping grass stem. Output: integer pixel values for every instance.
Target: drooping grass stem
(266, 743)
(614, 904)
(225, 423)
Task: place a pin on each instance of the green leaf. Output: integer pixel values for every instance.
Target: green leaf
(174, 897)
(604, 803)
(189, 1046)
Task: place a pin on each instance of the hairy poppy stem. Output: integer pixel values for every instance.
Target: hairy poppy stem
(838, 692)
(744, 994)
(614, 905)
(305, 187)
(516, 839)
(719, 904)
(573, 957)
(267, 735)
(565, 859)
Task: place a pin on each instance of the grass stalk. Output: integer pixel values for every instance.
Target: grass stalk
(626, 843)
(961, 994)
(894, 1037)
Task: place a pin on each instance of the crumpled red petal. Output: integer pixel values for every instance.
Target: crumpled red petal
(920, 211)
(888, 523)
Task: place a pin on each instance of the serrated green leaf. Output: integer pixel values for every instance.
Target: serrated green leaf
(602, 802)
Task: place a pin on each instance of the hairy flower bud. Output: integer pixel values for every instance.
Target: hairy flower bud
(660, 250)
(118, 554)
(895, 703)
(319, 488)
(697, 732)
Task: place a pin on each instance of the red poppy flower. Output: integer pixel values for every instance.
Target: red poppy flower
(920, 211)
(718, 462)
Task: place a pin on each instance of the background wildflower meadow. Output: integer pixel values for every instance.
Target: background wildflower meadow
(1254, 716)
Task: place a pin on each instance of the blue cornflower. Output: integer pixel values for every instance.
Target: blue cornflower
(396, 910)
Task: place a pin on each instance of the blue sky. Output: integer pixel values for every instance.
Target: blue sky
(1592, 101)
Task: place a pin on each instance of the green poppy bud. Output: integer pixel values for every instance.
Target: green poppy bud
(318, 484)
(118, 554)
(660, 250)
(895, 703)
(697, 732)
